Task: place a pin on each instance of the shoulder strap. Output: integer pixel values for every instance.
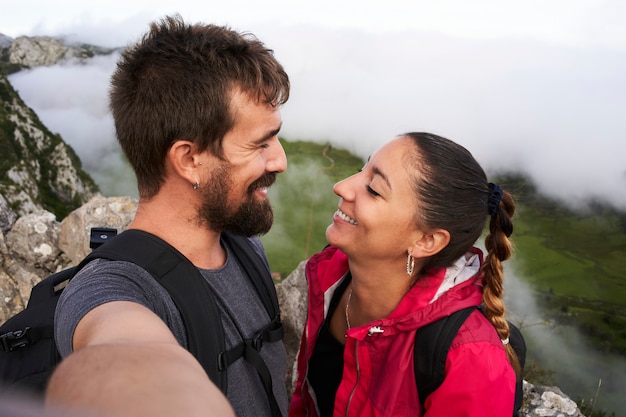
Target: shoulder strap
(432, 343)
(256, 269)
(519, 346)
(259, 274)
(183, 281)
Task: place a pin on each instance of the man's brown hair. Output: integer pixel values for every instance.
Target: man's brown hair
(176, 83)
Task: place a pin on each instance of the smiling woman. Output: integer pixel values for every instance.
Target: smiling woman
(400, 257)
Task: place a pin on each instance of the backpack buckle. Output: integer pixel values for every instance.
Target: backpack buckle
(257, 341)
(15, 340)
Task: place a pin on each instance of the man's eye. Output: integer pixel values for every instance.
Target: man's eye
(371, 191)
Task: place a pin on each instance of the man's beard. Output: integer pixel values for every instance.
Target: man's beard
(252, 217)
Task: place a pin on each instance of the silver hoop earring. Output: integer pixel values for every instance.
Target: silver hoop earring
(410, 264)
(196, 185)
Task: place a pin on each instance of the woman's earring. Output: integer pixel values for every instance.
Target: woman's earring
(410, 264)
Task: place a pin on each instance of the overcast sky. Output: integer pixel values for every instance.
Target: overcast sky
(538, 86)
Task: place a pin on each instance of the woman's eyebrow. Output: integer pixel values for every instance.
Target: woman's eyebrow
(382, 175)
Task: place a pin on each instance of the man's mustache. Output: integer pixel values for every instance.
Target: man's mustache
(265, 181)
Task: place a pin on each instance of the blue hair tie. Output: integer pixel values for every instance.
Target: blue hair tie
(495, 196)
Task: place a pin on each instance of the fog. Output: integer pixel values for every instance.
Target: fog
(537, 88)
(578, 367)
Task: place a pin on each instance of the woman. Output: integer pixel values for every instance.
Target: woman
(401, 256)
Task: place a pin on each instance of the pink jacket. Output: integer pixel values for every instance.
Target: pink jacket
(378, 373)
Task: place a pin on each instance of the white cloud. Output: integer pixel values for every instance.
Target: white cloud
(536, 86)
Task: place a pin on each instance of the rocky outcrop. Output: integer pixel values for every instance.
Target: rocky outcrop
(38, 245)
(38, 170)
(35, 51)
(540, 401)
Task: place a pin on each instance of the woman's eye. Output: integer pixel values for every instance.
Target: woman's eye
(371, 191)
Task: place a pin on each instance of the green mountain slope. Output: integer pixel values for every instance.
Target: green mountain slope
(575, 262)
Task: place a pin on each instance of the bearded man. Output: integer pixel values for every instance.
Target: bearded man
(196, 112)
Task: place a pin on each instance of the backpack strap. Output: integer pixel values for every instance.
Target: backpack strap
(258, 272)
(183, 281)
(519, 346)
(432, 343)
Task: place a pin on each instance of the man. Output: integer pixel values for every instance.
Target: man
(196, 111)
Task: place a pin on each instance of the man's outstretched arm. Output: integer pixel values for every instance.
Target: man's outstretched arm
(126, 362)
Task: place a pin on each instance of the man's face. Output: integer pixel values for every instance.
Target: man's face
(235, 194)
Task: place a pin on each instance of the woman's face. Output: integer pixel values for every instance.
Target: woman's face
(377, 209)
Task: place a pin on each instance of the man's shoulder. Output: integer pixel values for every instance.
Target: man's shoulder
(104, 266)
(110, 276)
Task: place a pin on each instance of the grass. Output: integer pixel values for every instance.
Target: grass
(572, 255)
(304, 202)
(575, 263)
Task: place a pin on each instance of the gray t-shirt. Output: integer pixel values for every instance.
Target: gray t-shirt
(241, 311)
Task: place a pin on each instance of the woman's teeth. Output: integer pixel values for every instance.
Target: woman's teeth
(345, 217)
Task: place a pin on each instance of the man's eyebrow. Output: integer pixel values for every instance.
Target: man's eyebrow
(378, 172)
(268, 135)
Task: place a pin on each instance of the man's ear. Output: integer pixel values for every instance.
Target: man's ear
(183, 160)
(430, 243)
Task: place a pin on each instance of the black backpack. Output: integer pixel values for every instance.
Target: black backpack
(28, 353)
(432, 343)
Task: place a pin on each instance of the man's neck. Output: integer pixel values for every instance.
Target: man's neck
(178, 226)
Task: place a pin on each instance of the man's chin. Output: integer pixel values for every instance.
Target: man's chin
(252, 222)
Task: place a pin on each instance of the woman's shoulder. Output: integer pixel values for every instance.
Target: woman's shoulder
(477, 329)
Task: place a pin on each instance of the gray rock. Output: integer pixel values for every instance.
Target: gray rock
(31, 253)
(113, 212)
(7, 215)
(540, 401)
(292, 297)
(38, 51)
(38, 245)
(39, 170)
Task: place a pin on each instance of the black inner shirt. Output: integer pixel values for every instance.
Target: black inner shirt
(326, 363)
